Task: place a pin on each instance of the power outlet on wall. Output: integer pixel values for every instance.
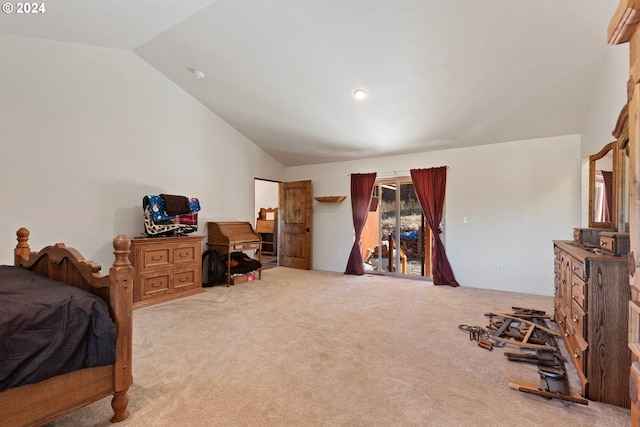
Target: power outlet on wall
(500, 269)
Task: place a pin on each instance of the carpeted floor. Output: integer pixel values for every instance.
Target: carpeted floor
(312, 348)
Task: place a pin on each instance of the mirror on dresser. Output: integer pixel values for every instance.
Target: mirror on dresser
(608, 210)
(603, 175)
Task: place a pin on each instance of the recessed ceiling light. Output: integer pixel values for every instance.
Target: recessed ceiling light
(199, 74)
(360, 94)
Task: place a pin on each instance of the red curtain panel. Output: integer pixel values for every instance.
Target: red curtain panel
(361, 189)
(429, 185)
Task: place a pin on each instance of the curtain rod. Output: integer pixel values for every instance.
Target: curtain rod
(406, 171)
(381, 173)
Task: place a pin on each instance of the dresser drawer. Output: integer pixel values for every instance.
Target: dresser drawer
(184, 254)
(245, 246)
(577, 235)
(578, 291)
(579, 298)
(608, 243)
(577, 267)
(184, 279)
(578, 319)
(152, 285)
(577, 349)
(615, 243)
(155, 257)
(560, 319)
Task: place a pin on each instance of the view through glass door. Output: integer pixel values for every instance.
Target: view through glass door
(395, 239)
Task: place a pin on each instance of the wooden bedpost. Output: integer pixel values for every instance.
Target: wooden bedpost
(121, 274)
(22, 249)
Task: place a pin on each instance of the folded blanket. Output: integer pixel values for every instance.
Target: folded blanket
(176, 205)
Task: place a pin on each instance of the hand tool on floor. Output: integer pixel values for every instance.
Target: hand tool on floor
(548, 394)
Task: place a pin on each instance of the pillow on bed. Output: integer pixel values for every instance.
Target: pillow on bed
(49, 328)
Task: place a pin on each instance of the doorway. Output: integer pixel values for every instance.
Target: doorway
(396, 240)
(266, 197)
(291, 235)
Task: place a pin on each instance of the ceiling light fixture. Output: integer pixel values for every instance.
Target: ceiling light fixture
(360, 94)
(199, 74)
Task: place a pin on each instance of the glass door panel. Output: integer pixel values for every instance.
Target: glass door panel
(397, 241)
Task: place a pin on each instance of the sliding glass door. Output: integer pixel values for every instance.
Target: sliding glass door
(395, 240)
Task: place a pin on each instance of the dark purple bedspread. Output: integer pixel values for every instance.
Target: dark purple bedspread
(48, 328)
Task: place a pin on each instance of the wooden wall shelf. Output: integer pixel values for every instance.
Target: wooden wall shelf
(330, 199)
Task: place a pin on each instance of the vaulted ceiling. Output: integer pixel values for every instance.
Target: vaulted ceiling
(438, 73)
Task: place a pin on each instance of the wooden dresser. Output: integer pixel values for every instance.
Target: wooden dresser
(591, 299)
(166, 268)
(233, 236)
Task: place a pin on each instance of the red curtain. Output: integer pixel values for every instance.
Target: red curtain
(361, 189)
(429, 185)
(607, 177)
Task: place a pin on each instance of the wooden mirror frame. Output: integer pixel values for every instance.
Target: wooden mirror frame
(621, 133)
(613, 217)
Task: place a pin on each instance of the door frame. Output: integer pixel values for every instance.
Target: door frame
(295, 224)
(424, 238)
(278, 202)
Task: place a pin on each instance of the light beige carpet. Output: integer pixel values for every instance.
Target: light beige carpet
(312, 348)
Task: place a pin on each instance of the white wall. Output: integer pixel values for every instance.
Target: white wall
(266, 195)
(86, 132)
(609, 97)
(518, 196)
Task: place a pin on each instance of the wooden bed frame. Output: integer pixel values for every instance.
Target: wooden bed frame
(43, 402)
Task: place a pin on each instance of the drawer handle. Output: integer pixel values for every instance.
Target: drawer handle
(576, 354)
(575, 268)
(575, 298)
(560, 321)
(156, 258)
(576, 319)
(603, 243)
(183, 279)
(156, 285)
(183, 254)
(575, 284)
(566, 333)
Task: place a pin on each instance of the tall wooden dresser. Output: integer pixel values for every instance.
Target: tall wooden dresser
(623, 28)
(166, 268)
(591, 299)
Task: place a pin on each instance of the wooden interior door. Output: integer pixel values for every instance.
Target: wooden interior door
(294, 245)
